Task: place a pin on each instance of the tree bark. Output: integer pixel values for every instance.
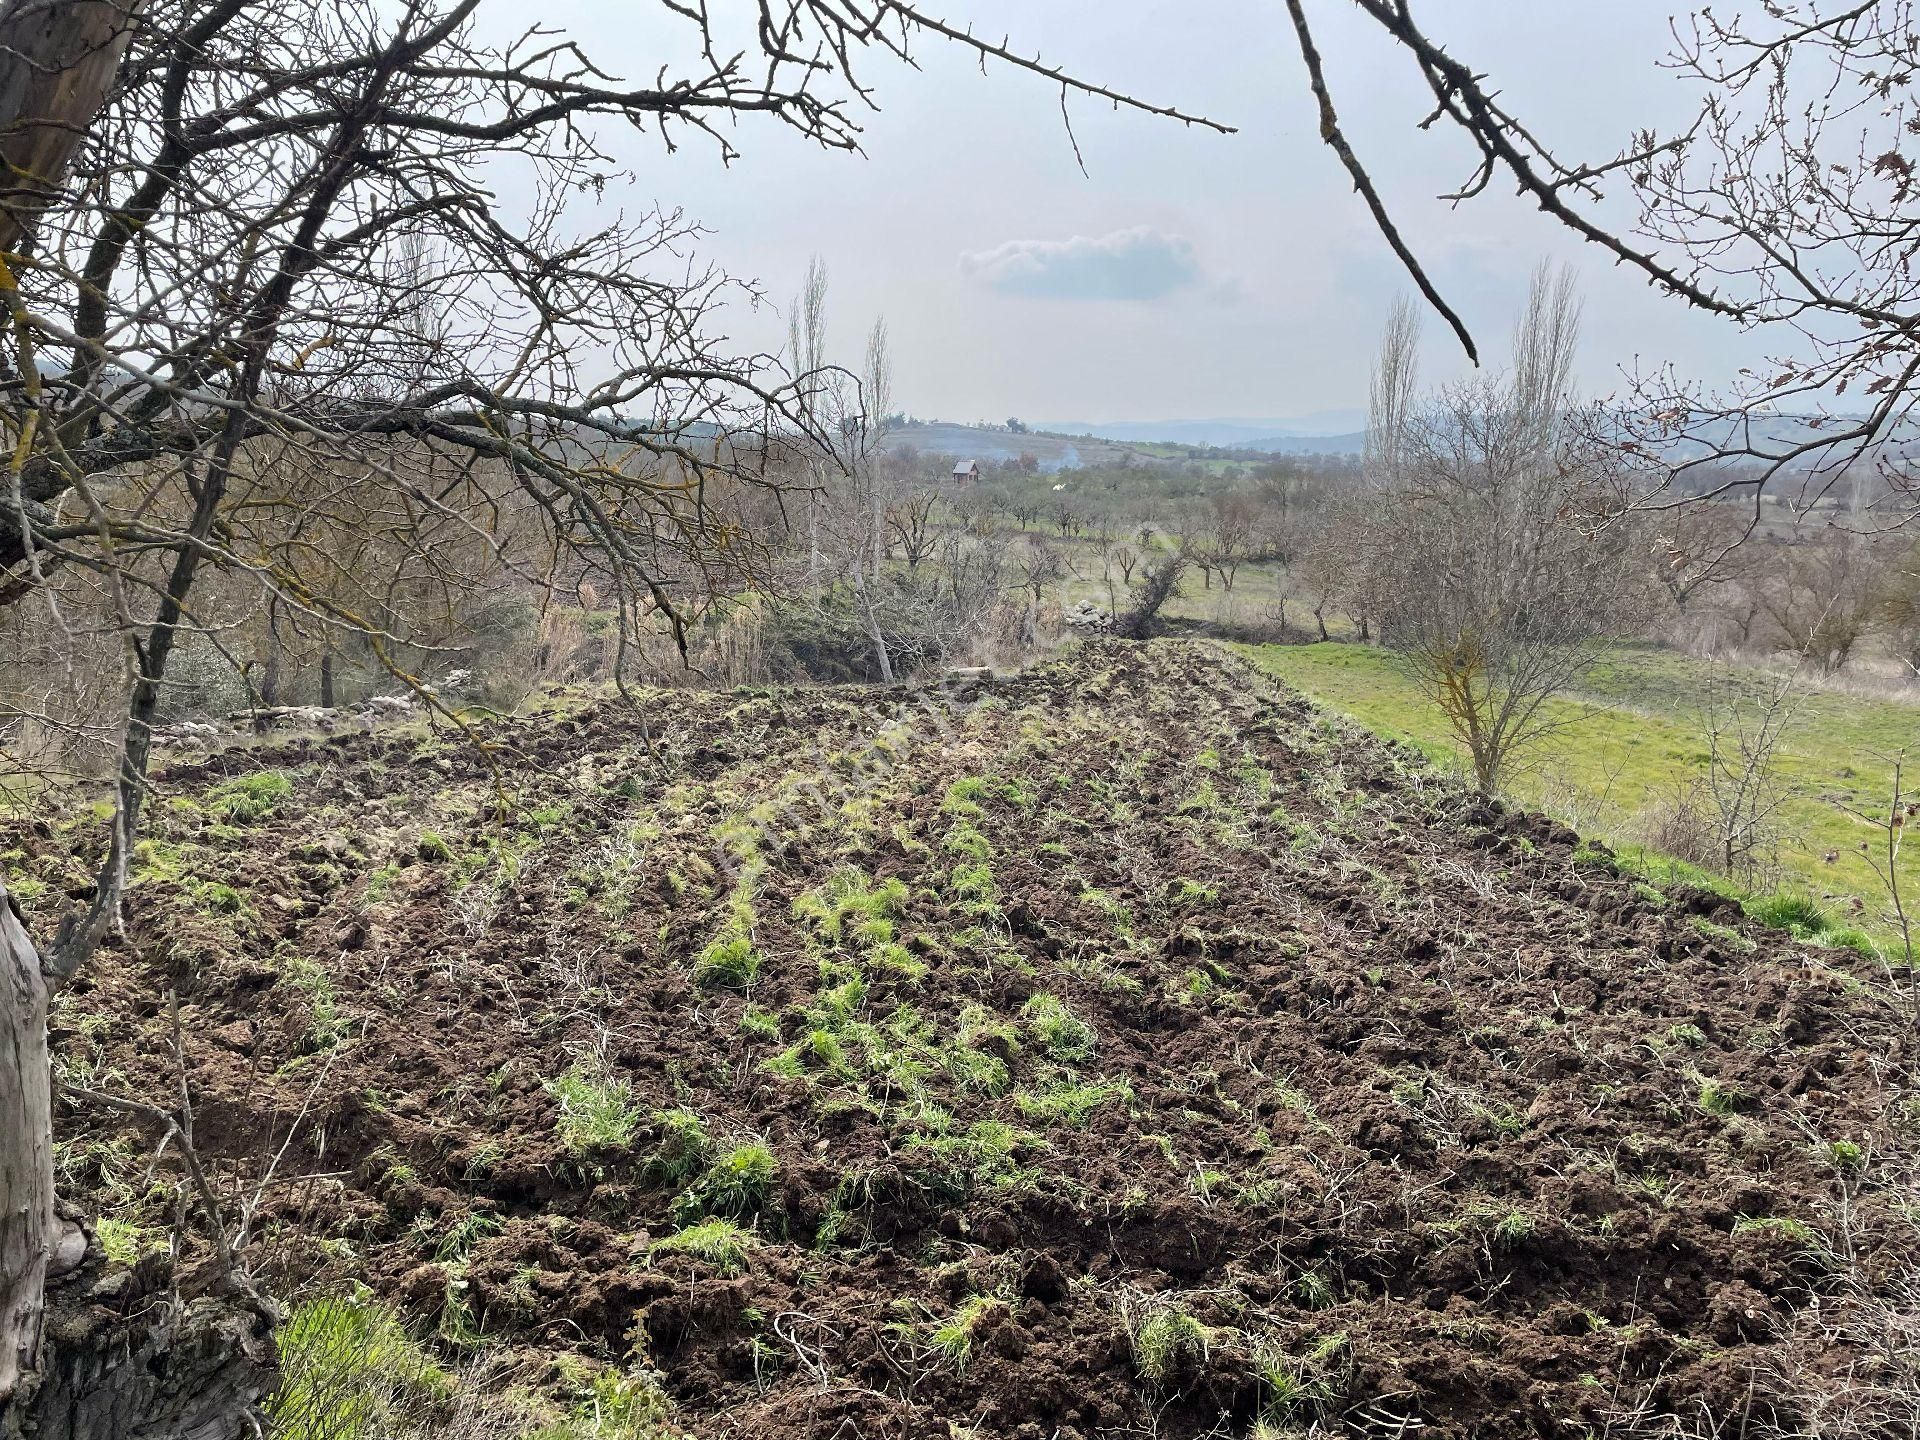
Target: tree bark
(34, 1241)
(127, 1359)
(57, 63)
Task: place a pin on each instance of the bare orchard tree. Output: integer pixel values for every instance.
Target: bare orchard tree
(227, 202)
(1485, 582)
(1822, 593)
(1039, 565)
(1229, 533)
(1161, 572)
(910, 508)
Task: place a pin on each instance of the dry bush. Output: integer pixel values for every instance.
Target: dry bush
(1682, 823)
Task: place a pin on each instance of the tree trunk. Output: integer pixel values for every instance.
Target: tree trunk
(88, 1352)
(326, 679)
(33, 1240)
(93, 1390)
(128, 1360)
(57, 63)
(270, 672)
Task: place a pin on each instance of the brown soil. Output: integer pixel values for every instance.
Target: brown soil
(1396, 1095)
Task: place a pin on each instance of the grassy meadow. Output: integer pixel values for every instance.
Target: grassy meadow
(1635, 736)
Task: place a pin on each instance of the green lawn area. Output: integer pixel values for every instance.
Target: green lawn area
(1636, 737)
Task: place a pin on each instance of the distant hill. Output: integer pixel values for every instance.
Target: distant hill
(971, 442)
(1059, 449)
(1236, 433)
(1347, 444)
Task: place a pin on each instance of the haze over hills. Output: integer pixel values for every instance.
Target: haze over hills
(977, 442)
(1070, 444)
(1233, 432)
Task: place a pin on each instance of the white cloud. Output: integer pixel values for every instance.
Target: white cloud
(1137, 264)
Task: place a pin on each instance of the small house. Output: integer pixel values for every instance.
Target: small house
(965, 472)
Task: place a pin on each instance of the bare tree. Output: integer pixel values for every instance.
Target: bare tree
(1484, 581)
(1743, 784)
(909, 515)
(1883, 857)
(868, 491)
(1039, 565)
(1226, 535)
(1822, 594)
(1160, 577)
(1393, 390)
(842, 466)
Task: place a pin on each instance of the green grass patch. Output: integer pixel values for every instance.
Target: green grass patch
(1166, 1341)
(596, 1112)
(683, 1149)
(1633, 736)
(617, 1407)
(727, 963)
(734, 1186)
(953, 1338)
(719, 1243)
(349, 1371)
(1060, 1032)
(249, 798)
(1068, 1104)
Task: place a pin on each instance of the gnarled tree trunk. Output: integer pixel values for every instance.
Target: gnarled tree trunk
(57, 63)
(87, 1353)
(156, 1370)
(32, 1238)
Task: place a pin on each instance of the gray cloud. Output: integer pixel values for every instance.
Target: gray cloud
(1137, 264)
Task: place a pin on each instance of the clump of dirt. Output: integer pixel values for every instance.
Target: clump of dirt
(1122, 1048)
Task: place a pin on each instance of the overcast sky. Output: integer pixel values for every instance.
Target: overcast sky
(1187, 274)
